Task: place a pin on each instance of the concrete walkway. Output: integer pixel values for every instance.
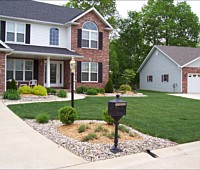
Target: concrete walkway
(190, 96)
(21, 147)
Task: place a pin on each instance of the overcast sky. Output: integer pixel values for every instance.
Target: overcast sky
(123, 6)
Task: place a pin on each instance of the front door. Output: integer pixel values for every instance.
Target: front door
(56, 73)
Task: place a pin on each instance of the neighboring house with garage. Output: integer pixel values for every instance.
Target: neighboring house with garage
(38, 40)
(171, 69)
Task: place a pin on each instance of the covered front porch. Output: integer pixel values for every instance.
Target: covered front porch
(49, 68)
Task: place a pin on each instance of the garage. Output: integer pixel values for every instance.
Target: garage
(194, 83)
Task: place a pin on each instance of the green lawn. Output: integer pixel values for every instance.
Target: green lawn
(159, 114)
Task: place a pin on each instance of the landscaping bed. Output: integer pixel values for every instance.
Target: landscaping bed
(93, 151)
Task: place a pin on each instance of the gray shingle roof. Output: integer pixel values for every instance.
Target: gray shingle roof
(34, 10)
(41, 49)
(181, 55)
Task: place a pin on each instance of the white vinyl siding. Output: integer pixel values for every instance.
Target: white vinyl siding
(159, 65)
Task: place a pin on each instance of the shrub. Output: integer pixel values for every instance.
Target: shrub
(112, 135)
(62, 94)
(90, 136)
(42, 118)
(67, 115)
(12, 85)
(100, 129)
(51, 90)
(11, 94)
(92, 92)
(25, 90)
(107, 118)
(82, 128)
(40, 90)
(125, 87)
(82, 89)
(123, 129)
(109, 86)
(96, 88)
(101, 90)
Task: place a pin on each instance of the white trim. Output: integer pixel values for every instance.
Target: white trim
(5, 81)
(48, 72)
(2, 43)
(190, 62)
(181, 80)
(47, 54)
(149, 55)
(98, 14)
(31, 20)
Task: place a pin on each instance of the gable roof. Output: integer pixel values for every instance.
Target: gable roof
(28, 9)
(181, 56)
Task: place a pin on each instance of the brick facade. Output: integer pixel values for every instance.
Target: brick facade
(41, 72)
(92, 55)
(185, 72)
(2, 72)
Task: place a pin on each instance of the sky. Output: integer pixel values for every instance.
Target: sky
(123, 6)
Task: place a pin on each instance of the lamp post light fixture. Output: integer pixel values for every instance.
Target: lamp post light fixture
(72, 67)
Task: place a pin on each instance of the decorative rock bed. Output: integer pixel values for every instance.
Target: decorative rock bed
(94, 152)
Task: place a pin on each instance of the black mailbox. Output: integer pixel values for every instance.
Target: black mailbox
(117, 107)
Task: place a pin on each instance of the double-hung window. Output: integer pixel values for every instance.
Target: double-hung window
(89, 72)
(165, 78)
(54, 36)
(89, 35)
(150, 78)
(15, 32)
(20, 70)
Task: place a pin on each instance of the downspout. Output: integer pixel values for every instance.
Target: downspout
(181, 80)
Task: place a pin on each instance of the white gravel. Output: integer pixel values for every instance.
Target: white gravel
(94, 152)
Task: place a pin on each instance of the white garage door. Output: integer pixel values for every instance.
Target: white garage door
(194, 83)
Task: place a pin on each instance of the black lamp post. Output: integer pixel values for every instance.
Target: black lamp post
(72, 67)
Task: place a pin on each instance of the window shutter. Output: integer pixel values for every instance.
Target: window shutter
(3, 31)
(28, 33)
(78, 71)
(100, 72)
(79, 38)
(167, 77)
(100, 40)
(147, 78)
(36, 64)
(162, 78)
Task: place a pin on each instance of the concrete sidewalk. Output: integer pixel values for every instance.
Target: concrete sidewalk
(185, 156)
(21, 147)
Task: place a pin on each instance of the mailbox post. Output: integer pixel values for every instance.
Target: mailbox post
(116, 109)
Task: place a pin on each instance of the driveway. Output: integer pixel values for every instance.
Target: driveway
(190, 96)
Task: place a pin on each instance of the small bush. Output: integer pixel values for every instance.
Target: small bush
(82, 128)
(82, 90)
(25, 90)
(109, 87)
(112, 135)
(42, 118)
(11, 94)
(51, 90)
(92, 92)
(125, 87)
(12, 85)
(90, 136)
(96, 88)
(40, 90)
(123, 129)
(107, 118)
(100, 129)
(67, 115)
(101, 90)
(62, 94)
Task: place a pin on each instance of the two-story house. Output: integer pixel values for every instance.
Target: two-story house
(38, 40)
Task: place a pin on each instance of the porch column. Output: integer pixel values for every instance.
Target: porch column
(48, 71)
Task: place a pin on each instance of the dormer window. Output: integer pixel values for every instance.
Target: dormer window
(54, 36)
(15, 32)
(89, 35)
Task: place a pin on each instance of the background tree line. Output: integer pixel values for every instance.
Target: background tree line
(159, 22)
